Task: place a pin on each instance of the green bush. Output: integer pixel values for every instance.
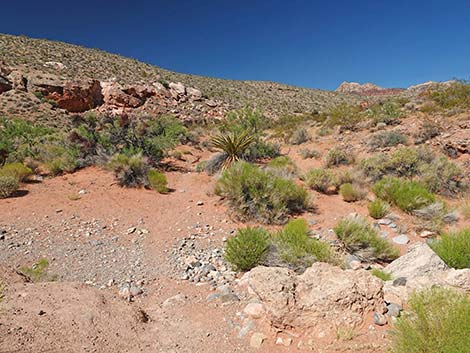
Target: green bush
(388, 113)
(454, 248)
(344, 115)
(299, 136)
(442, 176)
(38, 272)
(438, 321)
(130, 171)
(247, 248)
(427, 131)
(457, 94)
(322, 180)
(378, 208)
(407, 195)
(359, 236)
(405, 161)
(16, 170)
(384, 276)
(157, 181)
(297, 248)
(351, 193)
(8, 185)
(260, 195)
(59, 159)
(261, 149)
(338, 156)
(308, 153)
(283, 166)
(375, 167)
(387, 139)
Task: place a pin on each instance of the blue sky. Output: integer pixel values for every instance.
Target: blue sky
(314, 44)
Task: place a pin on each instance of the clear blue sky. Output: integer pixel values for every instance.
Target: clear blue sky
(307, 43)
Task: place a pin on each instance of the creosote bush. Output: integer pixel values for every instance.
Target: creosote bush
(283, 166)
(361, 238)
(344, 115)
(297, 248)
(338, 156)
(16, 170)
(386, 139)
(247, 248)
(454, 248)
(351, 193)
(257, 194)
(299, 136)
(406, 194)
(322, 180)
(438, 321)
(378, 208)
(309, 153)
(130, 171)
(8, 185)
(157, 181)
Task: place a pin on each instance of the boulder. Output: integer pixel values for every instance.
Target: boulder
(177, 88)
(420, 260)
(79, 96)
(194, 94)
(323, 293)
(55, 65)
(5, 84)
(18, 80)
(113, 95)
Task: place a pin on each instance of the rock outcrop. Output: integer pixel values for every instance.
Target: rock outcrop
(366, 89)
(322, 294)
(79, 96)
(5, 84)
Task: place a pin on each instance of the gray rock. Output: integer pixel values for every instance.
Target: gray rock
(227, 298)
(400, 281)
(380, 319)
(393, 310)
(384, 221)
(401, 239)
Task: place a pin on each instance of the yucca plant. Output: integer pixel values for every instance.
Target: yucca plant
(232, 145)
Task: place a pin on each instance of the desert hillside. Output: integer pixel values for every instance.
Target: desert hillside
(144, 210)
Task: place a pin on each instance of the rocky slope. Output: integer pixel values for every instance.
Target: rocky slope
(367, 89)
(24, 59)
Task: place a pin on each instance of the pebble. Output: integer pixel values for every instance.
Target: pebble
(385, 221)
(200, 203)
(393, 310)
(257, 339)
(286, 342)
(247, 327)
(426, 234)
(254, 310)
(131, 230)
(402, 239)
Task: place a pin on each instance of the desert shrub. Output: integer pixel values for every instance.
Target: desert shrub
(59, 159)
(442, 176)
(457, 94)
(244, 120)
(378, 208)
(384, 276)
(19, 139)
(214, 164)
(404, 161)
(261, 149)
(130, 171)
(388, 113)
(283, 166)
(157, 181)
(454, 248)
(299, 136)
(427, 131)
(233, 146)
(297, 248)
(322, 180)
(407, 195)
(338, 156)
(375, 167)
(309, 153)
(8, 185)
(386, 139)
(438, 321)
(351, 193)
(247, 248)
(289, 125)
(344, 115)
(260, 195)
(16, 170)
(359, 236)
